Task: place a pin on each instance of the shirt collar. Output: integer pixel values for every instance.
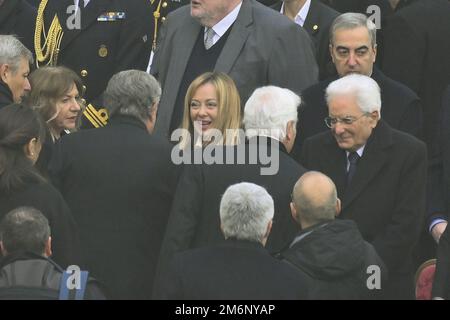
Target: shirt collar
(300, 18)
(360, 151)
(223, 25)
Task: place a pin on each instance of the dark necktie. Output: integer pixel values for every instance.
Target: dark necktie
(353, 158)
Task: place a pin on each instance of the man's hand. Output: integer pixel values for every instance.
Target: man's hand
(438, 230)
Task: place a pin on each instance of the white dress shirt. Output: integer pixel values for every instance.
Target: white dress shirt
(301, 15)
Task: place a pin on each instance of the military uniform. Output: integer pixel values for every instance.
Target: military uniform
(109, 36)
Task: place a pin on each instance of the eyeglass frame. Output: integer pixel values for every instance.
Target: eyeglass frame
(349, 120)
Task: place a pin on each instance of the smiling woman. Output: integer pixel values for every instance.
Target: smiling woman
(212, 102)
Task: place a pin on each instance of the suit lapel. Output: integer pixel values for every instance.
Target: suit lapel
(335, 162)
(237, 38)
(88, 17)
(374, 158)
(312, 22)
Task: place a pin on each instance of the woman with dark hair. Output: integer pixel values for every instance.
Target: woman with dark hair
(55, 95)
(21, 135)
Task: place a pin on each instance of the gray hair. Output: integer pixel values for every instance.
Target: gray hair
(132, 93)
(268, 111)
(363, 88)
(11, 52)
(24, 229)
(245, 211)
(352, 20)
(315, 206)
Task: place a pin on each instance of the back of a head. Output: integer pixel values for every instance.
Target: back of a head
(245, 212)
(352, 20)
(132, 93)
(315, 197)
(12, 51)
(24, 229)
(363, 88)
(268, 111)
(18, 125)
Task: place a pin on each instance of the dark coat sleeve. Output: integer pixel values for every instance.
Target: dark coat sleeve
(395, 243)
(441, 283)
(183, 220)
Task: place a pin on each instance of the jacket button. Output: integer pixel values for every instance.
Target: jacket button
(84, 73)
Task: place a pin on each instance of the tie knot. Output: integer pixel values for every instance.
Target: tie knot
(353, 157)
(209, 38)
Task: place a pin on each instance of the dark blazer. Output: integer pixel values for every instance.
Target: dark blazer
(439, 169)
(441, 283)
(194, 219)
(416, 53)
(400, 107)
(119, 182)
(18, 17)
(386, 197)
(45, 198)
(317, 24)
(336, 256)
(262, 48)
(102, 48)
(235, 270)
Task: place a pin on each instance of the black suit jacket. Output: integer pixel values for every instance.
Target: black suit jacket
(386, 197)
(416, 53)
(17, 17)
(317, 24)
(237, 269)
(45, 198)
(400, 108)
(102, 48)
(119, 182)
(194, 219)
(439, 174)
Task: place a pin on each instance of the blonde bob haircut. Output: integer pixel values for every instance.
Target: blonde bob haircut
(229, 107)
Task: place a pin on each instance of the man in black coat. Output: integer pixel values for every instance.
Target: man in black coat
(15, 60)
(333, 252)
(316, 18)
(417, 51)
(17, 17)
(240, 268)
(439, 182)
(26, 271)
(119, 182)
(379, 172)
(353, 49)
(96, 39)
(269, 118)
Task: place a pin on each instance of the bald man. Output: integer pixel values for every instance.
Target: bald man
(332, 251)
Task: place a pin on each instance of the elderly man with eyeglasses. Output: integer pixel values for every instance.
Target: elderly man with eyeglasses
(353, 49)
(379, 172)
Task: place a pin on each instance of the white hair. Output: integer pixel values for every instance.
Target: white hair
(245, 211)
(363, 88)
(11, 52)
(268, 111)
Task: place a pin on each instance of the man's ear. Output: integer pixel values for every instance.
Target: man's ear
(294, 212)
(269, 228)
(4, 71)
(3, 250)
(48, 247)
(338, 207)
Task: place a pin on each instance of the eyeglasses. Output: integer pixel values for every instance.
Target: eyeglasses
(331, 121)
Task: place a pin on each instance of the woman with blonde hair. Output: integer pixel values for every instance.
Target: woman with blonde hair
(212, 102)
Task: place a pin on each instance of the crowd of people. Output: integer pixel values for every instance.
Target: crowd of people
(189, 149)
